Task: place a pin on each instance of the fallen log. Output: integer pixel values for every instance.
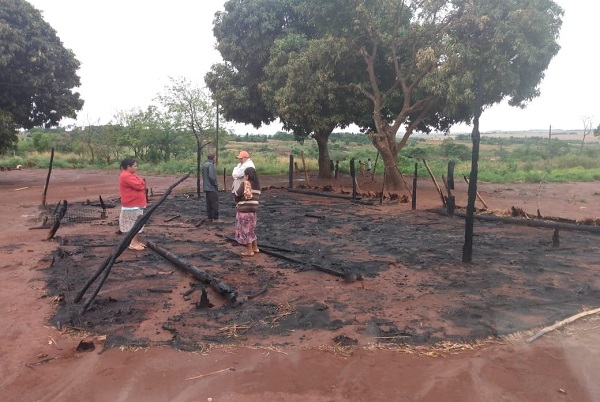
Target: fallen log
(348, 276)
(262, 245)
(561, 324)
(322, 194)
(220, 287)
(173, 218)
(531, 222)
(110, 260)
(314, 216)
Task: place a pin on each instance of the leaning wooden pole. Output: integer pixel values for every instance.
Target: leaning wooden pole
(477, 194)
(109, 262)
(439, 190)
(375, 167)
(57, 219)
(304, 167)
(48, 177)
(228, 292)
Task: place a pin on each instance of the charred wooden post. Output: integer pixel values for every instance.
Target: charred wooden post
(57, 218)
(555, 238)
(451, 165)
(48, 177)
(103, 206)
(353, 175)
(291, 172)
(414, 193)
(204, 302)
(110, 260)
(450, 200)
(224, 180)
(221, 288)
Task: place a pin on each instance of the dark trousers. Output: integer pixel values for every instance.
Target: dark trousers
(212, 204)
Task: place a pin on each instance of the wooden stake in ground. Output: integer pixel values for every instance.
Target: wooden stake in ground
(291, 172)
(304, 167)
(435, 182)
(48, 177)
(562, 323)
(109, 262)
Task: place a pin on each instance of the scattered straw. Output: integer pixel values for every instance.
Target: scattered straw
(283, 310)
(440, 349)
(338, 350)
(207, 374)
(232, 331)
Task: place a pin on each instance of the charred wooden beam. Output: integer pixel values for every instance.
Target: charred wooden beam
(348, 276)
(220, 287)
(321, 194)
(172, 218)
(122, 246)
(533, 222)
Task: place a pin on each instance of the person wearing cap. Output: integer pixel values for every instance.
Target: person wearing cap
(246, 196)
(211, 188)
(244, 162)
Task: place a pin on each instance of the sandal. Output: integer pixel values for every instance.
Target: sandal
(246, 254)
(256, 251)
(137, 248)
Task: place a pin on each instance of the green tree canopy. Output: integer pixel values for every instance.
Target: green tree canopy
(37, 73)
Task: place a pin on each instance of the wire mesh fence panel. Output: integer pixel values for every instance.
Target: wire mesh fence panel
(76, 213)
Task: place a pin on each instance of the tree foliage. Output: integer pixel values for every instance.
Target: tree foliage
(398, 66)
(190, 108)
(245, 33)
(37, 73)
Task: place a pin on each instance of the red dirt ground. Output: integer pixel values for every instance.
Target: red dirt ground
(421, 326)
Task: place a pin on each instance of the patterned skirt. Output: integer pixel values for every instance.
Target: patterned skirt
(128, 217)
(245, 226)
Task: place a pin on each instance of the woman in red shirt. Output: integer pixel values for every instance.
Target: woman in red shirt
(133, 200)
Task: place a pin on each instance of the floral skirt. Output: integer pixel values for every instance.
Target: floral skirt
(245, 226)
(127, 219)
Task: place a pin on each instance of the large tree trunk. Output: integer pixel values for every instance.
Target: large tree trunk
(322, 138)
(389, 155)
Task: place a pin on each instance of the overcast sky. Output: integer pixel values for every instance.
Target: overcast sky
(129, 48)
